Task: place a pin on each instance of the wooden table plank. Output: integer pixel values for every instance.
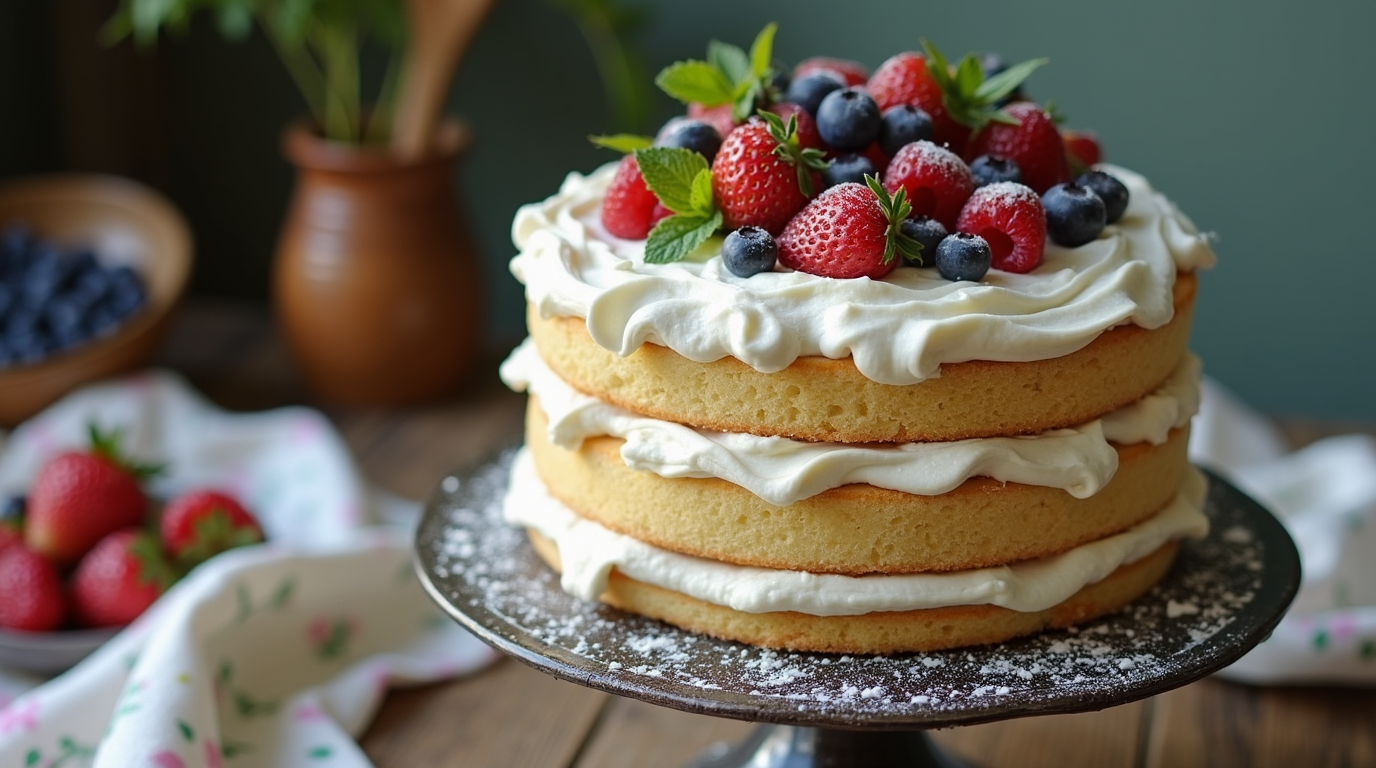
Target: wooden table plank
(1111, 738)
(634, 734)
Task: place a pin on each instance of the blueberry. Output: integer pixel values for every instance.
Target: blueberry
(963, 257)
(901, 126)
(65, 320)
(16, 239)
(44, 277)
(12, 511)
(1075, 215)
(749, 251)
(848, 167)
(7, 355)
(691, 134)
(848, 120)
(6, 301)
(127, 294)
(809, 90)
(927, 231)
(781, 79)
(988, 169)
(1109, 189)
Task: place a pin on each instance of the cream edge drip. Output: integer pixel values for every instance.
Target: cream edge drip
(898, 330)
(782, 471)
(588, 553)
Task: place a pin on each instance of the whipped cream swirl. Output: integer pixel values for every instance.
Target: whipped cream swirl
(588, 553)
(898, 330)
(781, 471)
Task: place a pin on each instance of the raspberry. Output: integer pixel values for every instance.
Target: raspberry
(1010, 218)
(937, 181)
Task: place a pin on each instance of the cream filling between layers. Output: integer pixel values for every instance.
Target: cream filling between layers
(898, 330)
(781, 471)
(588, 553)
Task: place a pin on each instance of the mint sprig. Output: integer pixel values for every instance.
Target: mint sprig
(896, 208)
(682, 181)
(728, 76)
(792, 152)
(969, 98)
(624, 143)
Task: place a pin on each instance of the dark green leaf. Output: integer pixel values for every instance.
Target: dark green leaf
(732, 61)
(1007, 81)
(674, 238)
(622, 142)
(670, 172)
(698, 81)
(235, 20)
(186, 731)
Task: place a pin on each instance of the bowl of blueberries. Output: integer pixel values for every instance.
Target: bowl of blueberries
(90, 268)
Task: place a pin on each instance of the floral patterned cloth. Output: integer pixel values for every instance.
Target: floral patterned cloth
(273, 655)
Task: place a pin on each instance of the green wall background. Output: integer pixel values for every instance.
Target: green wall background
(1256, 117)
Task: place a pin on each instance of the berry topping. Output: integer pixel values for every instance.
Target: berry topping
(1010, 219)
(963, 256)
(628, 207)
(696, 135)
(1083, 148)
(808, 138)
(749, 251)
(1109, 189)
(902, 125)
(989, 169)
(809, 90)
(849, 72)
(119, 579)
(904, 79)
(33, 598)
(937, 181)
(848, 120)
(1033, 143)
(730, 78)
(721, 117)
(850, 230)
(762, 175)
(1075, 215)
(849, 168)
(928, 232)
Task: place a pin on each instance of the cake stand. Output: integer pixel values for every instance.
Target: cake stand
(1224, 595)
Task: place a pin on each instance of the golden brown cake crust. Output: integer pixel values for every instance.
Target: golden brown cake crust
(885, 632)
(821, 399)
(854, 529)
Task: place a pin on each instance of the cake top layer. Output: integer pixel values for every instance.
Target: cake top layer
(897, 330)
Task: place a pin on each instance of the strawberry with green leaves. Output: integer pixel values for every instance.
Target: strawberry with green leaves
(1032, 141)
(117, 580)
(763, 175)
(729, 86)
(198, 525)
(79, 497)
(850, 230)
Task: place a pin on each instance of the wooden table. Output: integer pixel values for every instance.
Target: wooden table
(511, 715)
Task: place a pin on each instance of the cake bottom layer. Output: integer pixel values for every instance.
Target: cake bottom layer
(928, 629)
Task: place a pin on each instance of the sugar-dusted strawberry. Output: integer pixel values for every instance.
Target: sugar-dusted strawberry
(904, 79)
(80, 496)
(1034, 143)
(31, 596)
(198, 525)
(1083, 149)
(937, 181)
(762, 175)
(808, 138)
(1011, 219)
(849, 72)
(628, 207)
(850, 230)
(719, 117)
(119, 579)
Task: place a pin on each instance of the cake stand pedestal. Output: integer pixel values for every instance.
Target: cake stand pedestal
(1224, 595)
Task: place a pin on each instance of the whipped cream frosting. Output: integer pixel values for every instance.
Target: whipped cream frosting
(588, 553)
(782, 471)
(898, 330)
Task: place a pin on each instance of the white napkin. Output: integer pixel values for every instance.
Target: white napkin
(276, 655)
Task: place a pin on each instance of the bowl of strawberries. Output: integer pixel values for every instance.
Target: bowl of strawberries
(86, 550)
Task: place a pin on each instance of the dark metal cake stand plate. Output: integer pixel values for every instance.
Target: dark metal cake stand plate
(1224, 595)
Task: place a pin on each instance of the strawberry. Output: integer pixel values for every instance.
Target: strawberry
(31, 597)
(80, 496)
(1082, 149)
(719, 117)
(201, 524)
(937, 181)
(762, 175)
(1011, 219)
(847, 71)
(850, 230)
(1034, 143)
(119, 579)
(628, 207)
(808, 138)
(905, 79)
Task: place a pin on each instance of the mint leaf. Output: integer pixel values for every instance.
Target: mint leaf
(762, 51)
(700, 196)
(731, 60)
(674, 238)
(969, 74)
(696, 81)
(670, 173)
(1008, 80)
(622, 142)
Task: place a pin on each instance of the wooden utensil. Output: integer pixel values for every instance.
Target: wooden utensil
(440, 31)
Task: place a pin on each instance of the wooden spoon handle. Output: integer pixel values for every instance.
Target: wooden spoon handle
(440, 32)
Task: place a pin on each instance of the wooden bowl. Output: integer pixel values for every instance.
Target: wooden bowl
(124, 223)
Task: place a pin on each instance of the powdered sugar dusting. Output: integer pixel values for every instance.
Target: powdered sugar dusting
(516, 597)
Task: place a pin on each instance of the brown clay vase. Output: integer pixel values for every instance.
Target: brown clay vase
(376, 279)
